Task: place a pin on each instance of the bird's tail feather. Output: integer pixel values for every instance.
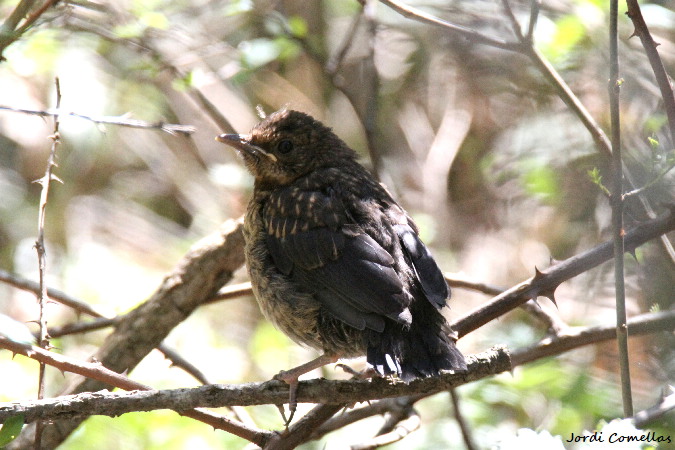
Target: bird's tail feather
(422, 350)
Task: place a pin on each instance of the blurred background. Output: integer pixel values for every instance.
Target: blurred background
(471, 139)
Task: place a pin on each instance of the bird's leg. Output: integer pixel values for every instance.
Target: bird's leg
(368, 372)
(291, 378)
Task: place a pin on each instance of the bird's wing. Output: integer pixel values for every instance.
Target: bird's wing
(352, 275)
(426, 270)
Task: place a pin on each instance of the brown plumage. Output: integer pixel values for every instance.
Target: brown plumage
(335, 262)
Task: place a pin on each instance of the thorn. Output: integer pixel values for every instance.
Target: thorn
(55, 178)
(538, 274)
(634, 34)
(632, 253)
(552, 261)
(551, 296)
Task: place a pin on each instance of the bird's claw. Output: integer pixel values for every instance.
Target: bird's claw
(292, 382)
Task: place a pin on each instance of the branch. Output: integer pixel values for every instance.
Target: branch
(662, 79)
(96, 371)
(616, 201)
(420, 16)
(545, 282)
(45, 183)
(9, 33)
(53, 294)
(574, 338)
(122, 121)
(645, 418)
(197, 277)
(328, 392)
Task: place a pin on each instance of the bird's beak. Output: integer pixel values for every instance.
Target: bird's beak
(242, 142)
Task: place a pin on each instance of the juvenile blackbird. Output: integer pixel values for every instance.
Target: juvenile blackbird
(335, 262)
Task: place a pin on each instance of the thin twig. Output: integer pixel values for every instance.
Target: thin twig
(400, 428)
(526, 48)
(616, 201)
(581, 336)
(42, 296)
(178, 361)
(545, 282)
(645, 418)
(82, 327)
(512, 18)
(473, 35)
(467, 435)
(534, 16)
(122, 121)
(53, 294)
(30, 20)
(96, 371)
(335, 61)
(554, 324)
(662, 79)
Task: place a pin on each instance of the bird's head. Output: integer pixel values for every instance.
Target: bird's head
(287, 145)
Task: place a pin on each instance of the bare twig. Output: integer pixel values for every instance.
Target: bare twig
(45, 182)
(512, 18)
(335, 61)
(526, 48)
(10, 31)
(578, 337)
(327, 392)
(82, 327)
(97, 371)
(546, 281)
(534, 16)
(122, 121)
(197, 277)
(332, 393)
(467, 435)
(553, 323)
(178, 361)
(616, 201)
(645, 418)
(400, 428)
(662, 78)
(53, 294)
(473, 35)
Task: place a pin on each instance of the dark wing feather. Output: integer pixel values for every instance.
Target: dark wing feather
(344, 268)
(426, 270)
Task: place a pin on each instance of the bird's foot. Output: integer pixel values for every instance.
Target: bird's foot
(291, 376)
(288, 377)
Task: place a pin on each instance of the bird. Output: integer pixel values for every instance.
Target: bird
(335, 262)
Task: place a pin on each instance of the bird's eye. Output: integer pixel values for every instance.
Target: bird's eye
(285, 146)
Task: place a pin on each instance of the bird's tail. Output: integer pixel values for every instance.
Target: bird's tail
(423, 349)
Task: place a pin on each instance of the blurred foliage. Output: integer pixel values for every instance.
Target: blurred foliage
(512, 181)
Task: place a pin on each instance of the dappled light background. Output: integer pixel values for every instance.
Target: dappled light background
(472, 141)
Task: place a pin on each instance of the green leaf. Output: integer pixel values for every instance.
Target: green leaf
(297, 26)
(153, 19)
(596, 178)
(11, 429)
(568, 33)
(654, 143)
(542, 181)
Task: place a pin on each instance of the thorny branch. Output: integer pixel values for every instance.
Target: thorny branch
(122, 121)
(525, 46)
(330, 393)
(45, 182)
